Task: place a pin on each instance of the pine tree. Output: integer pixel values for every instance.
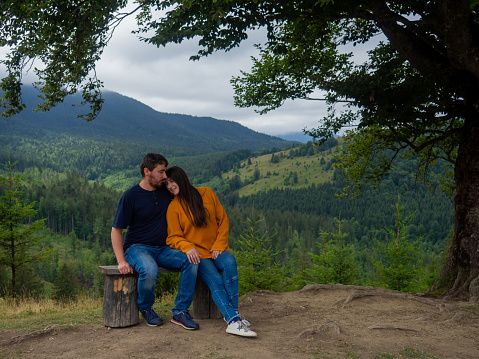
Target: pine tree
(66, 284)
(398, 258)
(29, 284)
(335, 263)
(19, 237)
(256, 267)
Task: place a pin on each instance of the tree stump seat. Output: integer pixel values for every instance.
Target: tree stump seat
(120, 294)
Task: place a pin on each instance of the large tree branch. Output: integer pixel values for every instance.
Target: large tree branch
(425, 58)
(431, 142)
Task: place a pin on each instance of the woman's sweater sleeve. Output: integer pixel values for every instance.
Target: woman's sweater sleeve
(222, 233)
(176, 237)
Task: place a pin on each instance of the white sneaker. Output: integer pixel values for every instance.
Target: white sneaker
(240, 328)
(245, 322)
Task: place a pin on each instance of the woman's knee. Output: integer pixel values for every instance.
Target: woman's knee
(227, 259)
(227, 264)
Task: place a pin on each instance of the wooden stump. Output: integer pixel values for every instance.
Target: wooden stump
(120, 295)
(203, 305)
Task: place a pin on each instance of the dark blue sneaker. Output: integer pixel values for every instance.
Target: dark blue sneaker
(185, 320)
(152, 319)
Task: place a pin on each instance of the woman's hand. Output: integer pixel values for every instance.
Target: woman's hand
(193, 256)
(215, 254)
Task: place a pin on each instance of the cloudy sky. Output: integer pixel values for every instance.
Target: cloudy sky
(164, 79)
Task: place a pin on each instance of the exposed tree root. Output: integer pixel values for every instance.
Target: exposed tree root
(34, 334)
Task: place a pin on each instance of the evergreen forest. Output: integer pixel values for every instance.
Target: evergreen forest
(288, 194)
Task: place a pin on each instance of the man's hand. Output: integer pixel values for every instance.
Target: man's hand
(193, 256)
(125, 268)
(117, 243)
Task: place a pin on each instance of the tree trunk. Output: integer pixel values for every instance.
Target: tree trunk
(13, 265)
(460, 276)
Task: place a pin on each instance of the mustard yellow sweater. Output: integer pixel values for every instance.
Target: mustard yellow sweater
(183, 235)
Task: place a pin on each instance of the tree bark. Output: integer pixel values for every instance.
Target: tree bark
(460, 276)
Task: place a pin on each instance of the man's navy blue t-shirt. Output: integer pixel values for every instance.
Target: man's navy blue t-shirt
(143, 214)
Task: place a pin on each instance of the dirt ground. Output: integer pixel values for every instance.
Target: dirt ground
(319, 321)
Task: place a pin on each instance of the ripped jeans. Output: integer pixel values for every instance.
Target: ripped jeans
(224, 288)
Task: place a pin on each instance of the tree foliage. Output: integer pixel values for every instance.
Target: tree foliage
(257, 268)
(417, 93)
(66, 285)
(19, 237)
(79, 214)
(62, 41)
(398, 262)
(335, 262)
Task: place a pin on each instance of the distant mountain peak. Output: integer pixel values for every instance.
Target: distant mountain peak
(127, 119)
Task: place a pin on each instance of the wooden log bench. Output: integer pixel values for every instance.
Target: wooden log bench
(120, 294)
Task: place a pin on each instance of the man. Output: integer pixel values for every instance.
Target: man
(142, 211)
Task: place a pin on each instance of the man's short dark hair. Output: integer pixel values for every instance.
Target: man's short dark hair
(150, 161)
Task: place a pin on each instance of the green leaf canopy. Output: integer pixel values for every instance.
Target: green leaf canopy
(418, 91)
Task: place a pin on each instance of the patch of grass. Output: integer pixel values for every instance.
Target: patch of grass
(164, 304)
(273, 175)
(24, 315)
(411, 353)
(344, 354)
(16, 354)
(407, 353)
(472, 308)
(385, 356)
(35, 314)
(350, 355)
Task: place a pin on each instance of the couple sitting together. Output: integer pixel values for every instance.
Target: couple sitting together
(189, 233)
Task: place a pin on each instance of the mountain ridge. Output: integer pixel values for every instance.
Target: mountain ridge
(126, 118)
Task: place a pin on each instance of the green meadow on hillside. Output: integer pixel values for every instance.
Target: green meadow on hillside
(281, 169)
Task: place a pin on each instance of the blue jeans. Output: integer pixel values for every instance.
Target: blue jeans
(146, 259)
(224, 288)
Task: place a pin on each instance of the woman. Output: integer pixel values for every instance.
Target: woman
(198, 226)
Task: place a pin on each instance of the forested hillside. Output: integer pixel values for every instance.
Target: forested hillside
(304, 180)
(299, 218)
(124, 131)
(76, 178)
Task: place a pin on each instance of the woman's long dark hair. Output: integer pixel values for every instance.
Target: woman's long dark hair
(189, 196)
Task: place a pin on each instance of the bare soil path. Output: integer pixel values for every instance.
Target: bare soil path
(319, 321)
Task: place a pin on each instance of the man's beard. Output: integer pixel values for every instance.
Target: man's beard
(155, 184)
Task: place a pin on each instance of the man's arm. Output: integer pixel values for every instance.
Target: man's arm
(117, 244)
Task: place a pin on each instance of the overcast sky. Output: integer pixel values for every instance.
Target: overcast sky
(166, 80)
